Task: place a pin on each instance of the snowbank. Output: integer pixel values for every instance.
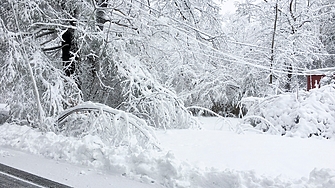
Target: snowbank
(147, 165)
(78, 176)
(302, 114)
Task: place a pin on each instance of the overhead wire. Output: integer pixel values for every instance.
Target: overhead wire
(229, 40)
(185, 32)
(232, 58)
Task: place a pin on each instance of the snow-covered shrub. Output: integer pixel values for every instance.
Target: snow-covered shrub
(302, 114)
(328, 79)
(114, 127)
(210, 90)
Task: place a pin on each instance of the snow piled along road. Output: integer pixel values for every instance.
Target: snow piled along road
(212, 157)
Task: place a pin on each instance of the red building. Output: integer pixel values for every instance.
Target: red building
(313, 81)
(314, 77)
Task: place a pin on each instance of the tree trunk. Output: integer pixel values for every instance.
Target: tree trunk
(289, 78)
(68, 44)
(273, 42)
(67, 58)
(101, 14)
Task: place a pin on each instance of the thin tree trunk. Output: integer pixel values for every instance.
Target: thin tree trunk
(273, 42)
(37, 95)
(289, 78)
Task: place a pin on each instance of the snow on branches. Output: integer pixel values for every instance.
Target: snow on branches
(303, 114)
(114, 127)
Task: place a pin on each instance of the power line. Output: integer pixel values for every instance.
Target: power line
(231, 58)
(228, 40)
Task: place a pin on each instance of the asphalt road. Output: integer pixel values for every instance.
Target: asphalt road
(8, 181)
(14, 178)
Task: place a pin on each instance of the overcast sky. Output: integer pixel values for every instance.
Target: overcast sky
(228, 6)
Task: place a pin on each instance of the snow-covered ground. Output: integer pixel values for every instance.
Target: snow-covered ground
(270, 155)
(211, 157)
(66, 173)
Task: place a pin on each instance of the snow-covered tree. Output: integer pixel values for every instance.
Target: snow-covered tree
(35, 86)
(105, 51)
(281, 35)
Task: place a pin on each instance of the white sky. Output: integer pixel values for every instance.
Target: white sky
(227, 5)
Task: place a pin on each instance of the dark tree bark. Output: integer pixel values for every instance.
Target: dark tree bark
(67, 57)
(289, 77)
(273, 42)
(68, 42)
(101, 14)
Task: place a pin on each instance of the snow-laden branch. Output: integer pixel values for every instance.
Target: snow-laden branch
(128, 119)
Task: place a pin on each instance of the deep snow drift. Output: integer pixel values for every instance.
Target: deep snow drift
(212, 157)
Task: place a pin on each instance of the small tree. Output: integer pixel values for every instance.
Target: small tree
(37, 85)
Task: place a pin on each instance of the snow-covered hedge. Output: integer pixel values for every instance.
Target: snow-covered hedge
(302, 114)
